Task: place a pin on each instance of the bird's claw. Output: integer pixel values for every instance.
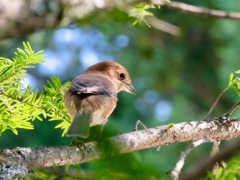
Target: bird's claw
(225, 117)
(78, 143)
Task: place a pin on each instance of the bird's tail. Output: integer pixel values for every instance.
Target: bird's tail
(80, 125)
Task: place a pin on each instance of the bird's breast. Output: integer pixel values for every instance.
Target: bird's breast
(100, 106)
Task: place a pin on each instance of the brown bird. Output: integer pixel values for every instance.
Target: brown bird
(92, 96)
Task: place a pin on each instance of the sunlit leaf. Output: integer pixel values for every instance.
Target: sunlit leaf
(139, 11)
(238, 71)
(230, 79)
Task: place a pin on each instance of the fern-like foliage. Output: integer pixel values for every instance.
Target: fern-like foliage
(54, 103)
(18, 105)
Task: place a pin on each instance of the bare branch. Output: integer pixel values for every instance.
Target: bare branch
(138, 122)
(214, 151)
(163, 26)
(200, 169)
(215, 103)
(215, 148)
(179, 165)
(229, 113)
(197, 10)
(24, 159)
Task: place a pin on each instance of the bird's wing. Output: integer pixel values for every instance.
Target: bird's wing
(83, 86)
(91, 84)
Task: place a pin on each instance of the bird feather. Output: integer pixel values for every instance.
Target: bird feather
(80, 125)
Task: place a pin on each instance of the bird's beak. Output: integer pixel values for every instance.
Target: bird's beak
(130, 89)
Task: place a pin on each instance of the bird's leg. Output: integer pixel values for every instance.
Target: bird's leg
(138, 122)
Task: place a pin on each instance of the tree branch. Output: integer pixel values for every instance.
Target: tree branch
(163, 26)
(214, 151)
(23, 159)
(197, 10)
(179, 165)
(215, 102)
(200, 169)
(229, 113)
(19, 17)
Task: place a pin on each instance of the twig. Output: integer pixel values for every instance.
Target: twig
(215, 103)
(199, 169)
(214, 151)
(198, 10)
(215, 148)
(177, 170)
(163, 26)
(138, 122)
(229, 113)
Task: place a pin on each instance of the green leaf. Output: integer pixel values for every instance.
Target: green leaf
(238, 71)
(139, 11)
(236, 90)
(171, 125)
(237, 82)
(230, 79)
(231, 171)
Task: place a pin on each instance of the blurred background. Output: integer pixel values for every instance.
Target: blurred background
(177, 78)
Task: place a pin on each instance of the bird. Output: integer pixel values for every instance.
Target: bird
(92, 96)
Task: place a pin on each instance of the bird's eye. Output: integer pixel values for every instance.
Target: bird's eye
(122, 76)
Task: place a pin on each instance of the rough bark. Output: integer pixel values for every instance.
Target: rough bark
(23, 159)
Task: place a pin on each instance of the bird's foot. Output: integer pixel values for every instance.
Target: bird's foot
(78, 143)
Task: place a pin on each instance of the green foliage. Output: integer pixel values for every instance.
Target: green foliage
(19, 105)
(54, 103)
(171, 125)
(140, 11)
(13, 70)
(234, 83)
(187, 71)
(69, 172)
(232, 171)
(40, 174)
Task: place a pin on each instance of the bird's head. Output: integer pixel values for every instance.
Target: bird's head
(116, 72)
